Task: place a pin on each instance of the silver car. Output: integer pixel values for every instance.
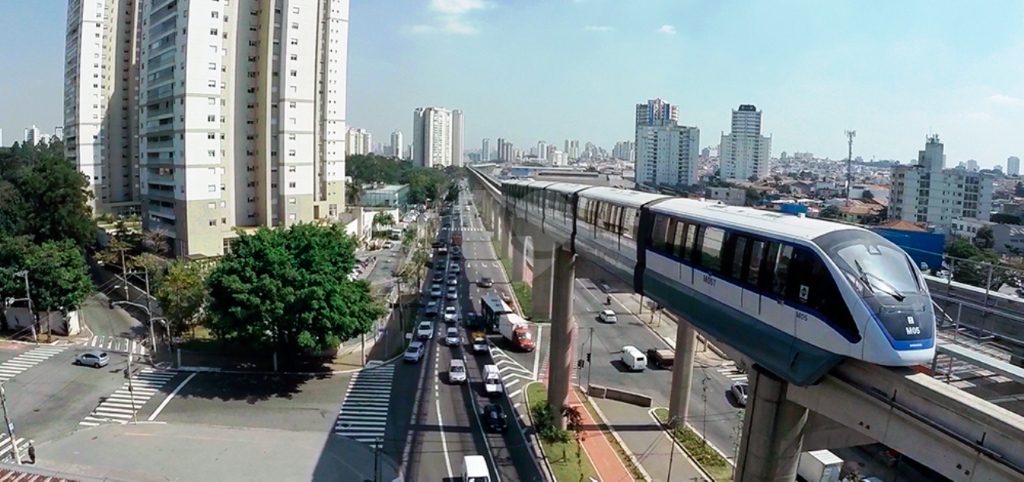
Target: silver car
(739, 390)
(92, 358)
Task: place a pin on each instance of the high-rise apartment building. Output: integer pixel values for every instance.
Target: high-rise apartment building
(458, 137)
(1013, 166)
(505, 151)
(927, 193)
(33, 135)
(485, 150)
(744, 152)
(211, 115)
(574, 150)
(542, 150)
(358, 142)
(549, 154)
(972, 165)
(432, 136)
(396, 144)
(624, 150)
(666, 153)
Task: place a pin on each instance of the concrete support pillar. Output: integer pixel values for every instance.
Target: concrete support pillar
(563, 333)
(543, 258)
(773, 432)
(493, 216)
(518, 250)
(506, 241)
(682, 373)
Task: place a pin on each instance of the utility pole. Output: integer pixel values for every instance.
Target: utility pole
(672, 448)
(131, 388)
(10, 426)
(149, 312)
(850, 134)
(124, 275)
(590, 351)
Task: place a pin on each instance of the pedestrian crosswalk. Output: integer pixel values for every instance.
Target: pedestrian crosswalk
(123, 404)
(364, 411)
(7, 449)
(117, 343)
(731, 372)
(482, 264)
(11, 368)
(514, 376)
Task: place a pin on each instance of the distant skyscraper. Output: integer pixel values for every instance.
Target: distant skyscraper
(1012, 166)
(396, 144)
(549, 154)
(458, 137)
(574, 150)
(745, 152)
(1, 138)
(485, 151)
(432, 137)
(542, 150)
(666, 153)
(358, 142)
(505, 151)
(33, 135)
(972, 165)
(58, 133)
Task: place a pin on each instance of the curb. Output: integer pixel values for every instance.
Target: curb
(374, 363)
(625, 448)
(689, 457)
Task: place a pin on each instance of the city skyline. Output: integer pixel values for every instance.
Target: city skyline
(814, 81)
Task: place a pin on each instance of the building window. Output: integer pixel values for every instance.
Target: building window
(295, 25)
(213, 222)
(291, 200)
(291, 168)
(291, 152)
(211, 136)
(294, 73)
(291, 185)
(291, 105)
(212, 188)
(213, 31)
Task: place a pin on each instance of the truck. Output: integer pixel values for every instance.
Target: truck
(661, 357)
(819, 466)
(479, 342)
(456, 239)
(515, 329)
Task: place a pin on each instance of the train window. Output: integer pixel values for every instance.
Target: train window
(678, 238)
(757, 254)
(711, 248)
(630, 222)
(659, 238)
(686, 250)
(819, 292)
(780, 280)
(737, 257)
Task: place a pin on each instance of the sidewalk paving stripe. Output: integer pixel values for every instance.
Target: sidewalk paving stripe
(516, 393)
(364, 409)
(108, 408)
(126, 402)
(512, 383)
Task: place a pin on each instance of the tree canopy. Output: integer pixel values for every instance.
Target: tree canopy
(57, 273)
(424, 183)
(287, 289)
(182, 295)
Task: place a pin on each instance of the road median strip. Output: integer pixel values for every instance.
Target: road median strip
(707, 457)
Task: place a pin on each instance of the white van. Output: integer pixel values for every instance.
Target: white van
(634, 359)
(492, 380)
(474, 469)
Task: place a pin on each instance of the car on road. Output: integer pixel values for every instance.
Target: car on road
(453, 294)
(456, 256)
(485, 282)
(388, 245)
(739, 390)
(425, 330)
(607, 316)
(432, 309)
(456, 250)
(457, 371)
(93, 358)
(453, 280)
(451, 314)
(439, 265)
(438, 277)
(494, 418)
(414, 352)
(436, 244)
(454, 268)
(451, 337)
(435, 291)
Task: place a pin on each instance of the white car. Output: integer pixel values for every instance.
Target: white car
(739, 390)
(453, 280)
(454, 268)
(435, 291)
(451, 337)
(457, 371)
(414, 352)
(452, 293)
(425, 331)
(607, 316)
(451, 314)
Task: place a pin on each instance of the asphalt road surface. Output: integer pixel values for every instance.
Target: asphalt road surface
(439, 424)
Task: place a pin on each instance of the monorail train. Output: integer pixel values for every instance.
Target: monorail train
(796, 295)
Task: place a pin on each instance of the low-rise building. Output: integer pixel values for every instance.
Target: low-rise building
(728, 195)
(1008, 239)
(395, 195)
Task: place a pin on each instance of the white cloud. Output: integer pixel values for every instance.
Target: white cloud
(450, 16)
(979, 116)
(667, 30)
(598, 28)
(1003, 99)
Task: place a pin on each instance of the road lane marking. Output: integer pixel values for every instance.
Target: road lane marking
(536, 354)
(167, 400)
(444, 440)
(364, 410)
(24, 361)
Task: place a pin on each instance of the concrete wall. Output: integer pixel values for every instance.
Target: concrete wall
(18, 318)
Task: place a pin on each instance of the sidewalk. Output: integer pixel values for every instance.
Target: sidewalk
(647, 441)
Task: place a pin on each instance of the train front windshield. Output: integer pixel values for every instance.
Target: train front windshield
(885, 278)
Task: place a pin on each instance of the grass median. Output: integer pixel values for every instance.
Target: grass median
(522, 291)
(569, 463)
(701, 452)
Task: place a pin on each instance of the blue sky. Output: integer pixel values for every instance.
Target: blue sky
(554, 69)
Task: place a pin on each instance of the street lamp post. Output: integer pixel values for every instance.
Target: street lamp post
(28, 295)
(10, 426)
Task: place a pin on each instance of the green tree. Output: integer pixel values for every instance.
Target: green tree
(1018, 190)
(56, 196)
(962, 249)
(182, 295)
(353, 191)
(57, 274)
(985, 238)
(288, 289)
(830, 212)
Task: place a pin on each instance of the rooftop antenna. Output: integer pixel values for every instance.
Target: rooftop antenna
(850, 134)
